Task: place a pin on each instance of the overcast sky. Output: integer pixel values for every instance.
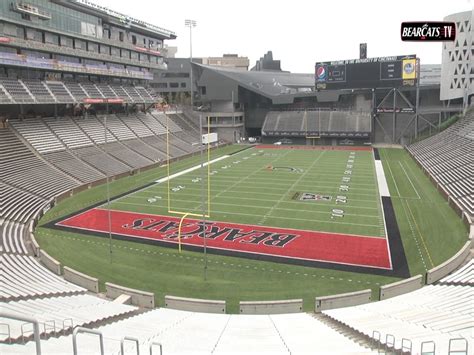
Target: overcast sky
(299, 32)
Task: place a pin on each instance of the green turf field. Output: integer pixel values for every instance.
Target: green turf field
(255, 186)
(249, 192)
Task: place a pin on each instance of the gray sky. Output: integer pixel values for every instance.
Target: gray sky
(299, 32)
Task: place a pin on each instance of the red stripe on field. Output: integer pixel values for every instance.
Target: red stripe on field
(319, 147)
(242, 238)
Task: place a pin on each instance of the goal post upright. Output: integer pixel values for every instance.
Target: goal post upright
(184, 214)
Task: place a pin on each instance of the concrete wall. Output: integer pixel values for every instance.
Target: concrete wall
(50, 263)
(34, 245)
(139, 298)
(195, 304)
(88, 282)
(401, 287)
(342, 300)
(449, 265)
(271, 307)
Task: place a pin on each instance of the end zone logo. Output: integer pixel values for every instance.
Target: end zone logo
(428, 31)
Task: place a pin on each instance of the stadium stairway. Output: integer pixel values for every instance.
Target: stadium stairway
(349, 333)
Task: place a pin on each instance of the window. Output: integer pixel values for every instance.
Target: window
(203, 90)
(121, 36)
(174, 85)
(162, 85)
(134, 39)
(183, 85)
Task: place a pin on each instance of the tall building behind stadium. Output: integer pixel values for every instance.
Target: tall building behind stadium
(364, 245)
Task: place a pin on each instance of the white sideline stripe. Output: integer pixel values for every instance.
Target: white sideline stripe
(411, 182)
(381, 180)
(159, 181)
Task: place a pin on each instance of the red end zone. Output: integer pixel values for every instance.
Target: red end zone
(315, 147)
(240, 238)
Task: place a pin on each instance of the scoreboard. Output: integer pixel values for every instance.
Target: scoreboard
(382, 72)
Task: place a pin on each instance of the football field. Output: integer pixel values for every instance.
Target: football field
(303, 205)
(286, 188)
(259, 198)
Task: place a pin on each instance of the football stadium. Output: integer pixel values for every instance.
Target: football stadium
(162, 205)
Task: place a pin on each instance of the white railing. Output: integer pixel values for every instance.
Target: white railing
(36, 333)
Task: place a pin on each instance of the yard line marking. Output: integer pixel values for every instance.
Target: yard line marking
(416, 191)
(283, 196)
(314, 204)
(329, 191)
(240, 181)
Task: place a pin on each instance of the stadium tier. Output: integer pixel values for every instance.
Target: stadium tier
(29, 91)
(322, 123)
(449, 159)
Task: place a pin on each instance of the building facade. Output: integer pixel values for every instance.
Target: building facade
(79, 41)
(174, 84)
(457, 71)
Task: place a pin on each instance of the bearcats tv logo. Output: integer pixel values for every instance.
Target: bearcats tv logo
(428, 31)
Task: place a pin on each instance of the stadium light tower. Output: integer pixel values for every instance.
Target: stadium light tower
(191, 24)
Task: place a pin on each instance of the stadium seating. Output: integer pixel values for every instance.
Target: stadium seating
(95, 129)
(76, 90)
(463, 276)
(186, 123)
(435, 313)
(323, 122)
(73, 166)
(447, 157)
(124, 154)
(160, 117)
(61, 313)
(24, 277)
(36, 91)
(101, 161)
(91, 90)
(12, 237)
(137, 126)
(133, 94)
(68, 132)
(18, 205)
(38, 135)
(155, 126)
(60, 92)
(39, 91)
(145, 149)
(17, 91)
(183, 332)
(23, 169)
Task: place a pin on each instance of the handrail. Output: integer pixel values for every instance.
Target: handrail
(389, 341)
(158, 344)
(64, 324)
(23, 332)
(135, 340)
(89, 331)
(48, 325)
(432, 351)
(376, 335)
(461, 351)
(8, 331)
(26, 319)
(406, 345)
